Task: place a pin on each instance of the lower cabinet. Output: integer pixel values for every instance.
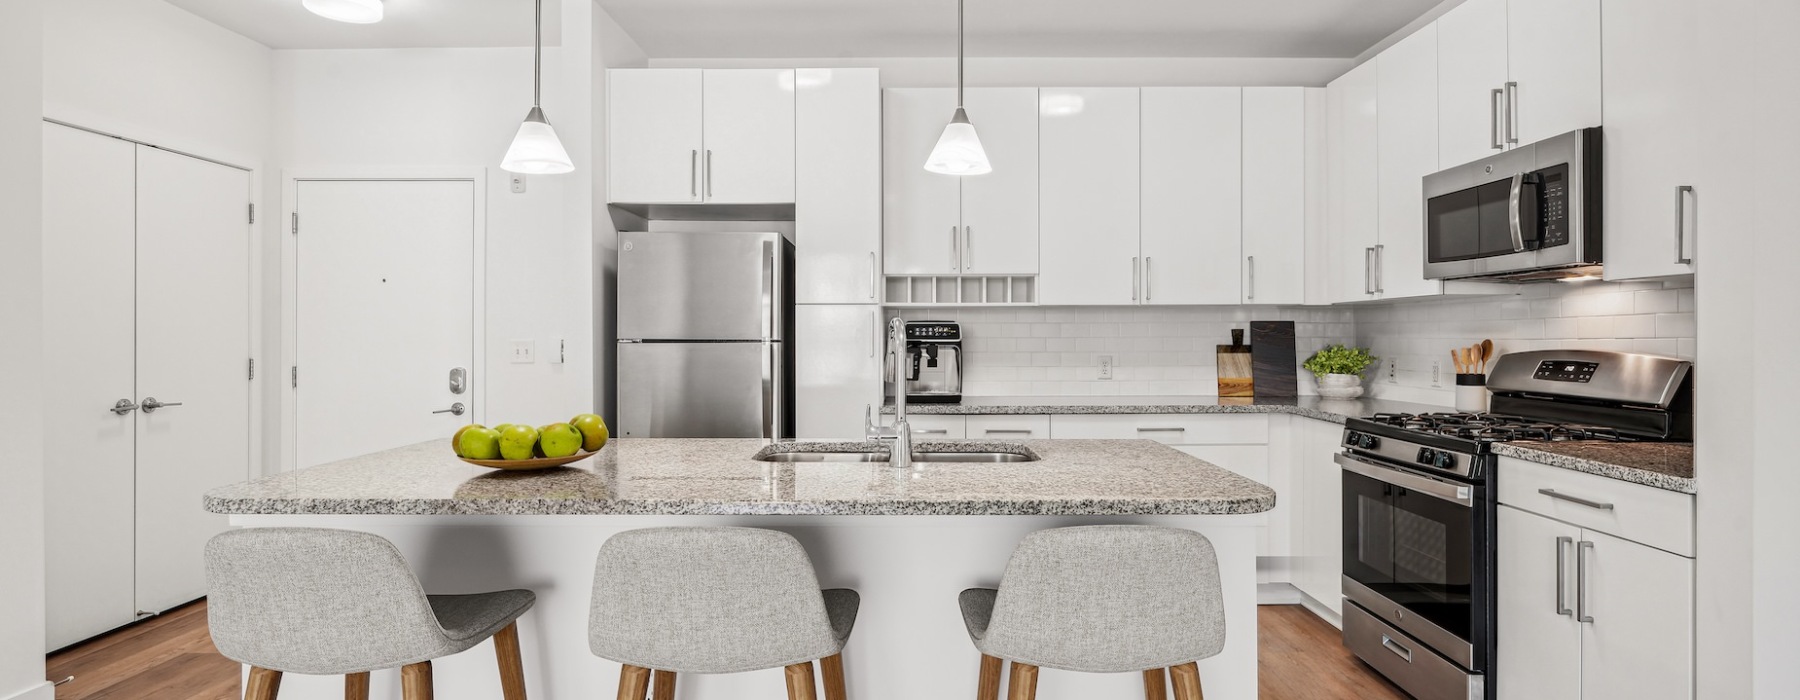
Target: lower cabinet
(1316, 565)
(837, 369)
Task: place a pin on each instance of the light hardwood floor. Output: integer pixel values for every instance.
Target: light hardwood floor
(172, 658)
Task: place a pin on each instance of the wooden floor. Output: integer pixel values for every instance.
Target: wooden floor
(172, 658)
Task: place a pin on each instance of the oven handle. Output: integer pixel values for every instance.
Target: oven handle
(1445, 491)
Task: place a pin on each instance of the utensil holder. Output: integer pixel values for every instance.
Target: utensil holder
(1471, 393)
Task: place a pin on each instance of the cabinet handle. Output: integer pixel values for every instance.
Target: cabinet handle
(1162, 430)
(1380, 269)
(874, 332)
(694, 173)
(955, 252)
(874, 275)
(1681, 195)
(1581, 578)
(709, 191)
(969, 247)
(1368, 269)
(1147, 284)
(1576, 499)
(1389, 644)
(1512, 113)
(1008, 431)
(1252, 261)
(1494, 118)
(931, 431)
(1562, 575)
(1134, 279)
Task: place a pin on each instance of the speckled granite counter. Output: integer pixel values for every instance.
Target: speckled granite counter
(1664, 465)
(1334, 410)
(720, 477)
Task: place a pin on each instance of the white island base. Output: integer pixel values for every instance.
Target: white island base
(909, 642)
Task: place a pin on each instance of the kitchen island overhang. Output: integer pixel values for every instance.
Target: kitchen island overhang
(909, 540)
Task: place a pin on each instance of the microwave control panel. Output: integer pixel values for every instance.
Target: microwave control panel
(1553, 205)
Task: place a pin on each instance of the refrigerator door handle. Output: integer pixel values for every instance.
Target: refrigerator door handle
(771, 384)
(769, 302)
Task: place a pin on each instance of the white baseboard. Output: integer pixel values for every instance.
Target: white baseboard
(1323, 612)
(1278, 594)
(45, 691)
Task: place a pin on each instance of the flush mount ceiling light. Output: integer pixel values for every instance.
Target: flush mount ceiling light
(535, 149)
(352, 11)
(958, 151)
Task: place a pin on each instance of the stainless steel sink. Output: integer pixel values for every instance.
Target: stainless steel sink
(995, 457)
(925, 456)
(824, 457)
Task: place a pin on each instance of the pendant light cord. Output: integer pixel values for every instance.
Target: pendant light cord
(959, 53)
(537, 57)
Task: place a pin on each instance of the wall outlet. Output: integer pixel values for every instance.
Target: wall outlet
(518, 183)
(524, 352)
(1106, 366)
(1393, 371)
(1437, 373)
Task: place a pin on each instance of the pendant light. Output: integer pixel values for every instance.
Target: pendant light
(958, 151)
(535, 149)
(352, 11)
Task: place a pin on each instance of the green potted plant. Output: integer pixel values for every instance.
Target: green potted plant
(1339, 369)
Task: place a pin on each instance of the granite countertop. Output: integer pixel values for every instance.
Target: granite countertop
(721, 477)
(1664, 465)
(1333, 410)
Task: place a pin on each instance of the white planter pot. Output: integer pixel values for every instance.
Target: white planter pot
(1340, 386)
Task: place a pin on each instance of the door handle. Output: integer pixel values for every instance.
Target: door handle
(1681, 195)
(874, 275)
(1252, 261)
(151, 404)
(1368, 270)
(1380, 269)
(1512, 112)
(1147, 284)
(123, 407)
(1562, 576)
(1134, 279)
(1494, 118)
(1514, 225)
(1576, 499)
(955, 252)
(968, 247)
(455, 409)
(1389, 644)
(709, 190)
(1581, 579)
(694, 173)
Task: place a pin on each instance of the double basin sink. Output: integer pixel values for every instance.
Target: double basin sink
(861, 452)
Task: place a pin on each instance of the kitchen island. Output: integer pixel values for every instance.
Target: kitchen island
(907, 539)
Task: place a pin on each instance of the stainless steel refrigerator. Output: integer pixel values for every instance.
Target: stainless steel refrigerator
(705, 321)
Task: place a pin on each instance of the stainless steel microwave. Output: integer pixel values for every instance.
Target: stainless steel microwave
(1530, 213)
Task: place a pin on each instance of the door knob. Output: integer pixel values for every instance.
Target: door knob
(455, 409)
(123, 407)
(151, 404)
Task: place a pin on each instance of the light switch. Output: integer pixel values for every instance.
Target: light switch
(559, 351)
(524, 352)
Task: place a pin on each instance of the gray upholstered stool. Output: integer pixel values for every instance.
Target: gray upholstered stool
(716, 600)
(338, 602)
(1100, 599)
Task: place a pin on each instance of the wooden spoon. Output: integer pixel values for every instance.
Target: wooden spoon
(1456, 359)
(1487, 353)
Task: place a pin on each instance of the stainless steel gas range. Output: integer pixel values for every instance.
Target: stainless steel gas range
(1419, 508)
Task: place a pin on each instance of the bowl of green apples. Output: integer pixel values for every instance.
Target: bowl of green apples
(518, 447)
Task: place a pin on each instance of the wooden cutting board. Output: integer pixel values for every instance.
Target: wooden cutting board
(1235, 377)
(1273, 363)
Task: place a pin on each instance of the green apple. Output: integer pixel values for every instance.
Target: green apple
(593, 431)
(503, 426)
(518, 442)
(476, 442)
(456, 440)
(559, 440)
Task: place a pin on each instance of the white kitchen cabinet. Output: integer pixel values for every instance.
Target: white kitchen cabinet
(837, 369)
(1640, 645)
(690, 136)
(1553, 61)
(1353, 229)
(749, 132)
(654, 135)
(1540, 643)
(1089, 197)
(945, 225)
(1652, 98)
(837, 188)
(1471, 59)
(1317, 564)
(1408, 142)
(1194, 193)
(1166, 428)
(1276, 145)
(936, 427)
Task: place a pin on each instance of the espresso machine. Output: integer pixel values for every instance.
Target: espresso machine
(934, 362)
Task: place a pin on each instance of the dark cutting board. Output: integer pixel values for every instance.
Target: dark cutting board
(1272, 360)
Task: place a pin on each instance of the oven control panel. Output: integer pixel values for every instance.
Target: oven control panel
(1566, 371)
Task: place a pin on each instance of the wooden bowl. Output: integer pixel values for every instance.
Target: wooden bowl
(519, 465)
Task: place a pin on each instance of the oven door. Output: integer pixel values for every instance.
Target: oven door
(1413, 555)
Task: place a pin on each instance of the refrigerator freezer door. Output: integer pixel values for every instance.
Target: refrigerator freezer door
(699, 286)
(699, 390)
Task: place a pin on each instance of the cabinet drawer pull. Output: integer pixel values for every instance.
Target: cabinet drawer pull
(1389, 644)
(1162, 430)
(1562, 576)
(931, 431)
(1576, 499)
(1681, 196)
(1008, 431)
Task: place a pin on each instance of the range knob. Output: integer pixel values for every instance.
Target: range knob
(1445, 460)
(1369, 442)
(1427, 456)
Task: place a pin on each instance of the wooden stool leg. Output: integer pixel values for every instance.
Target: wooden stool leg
(832, 669)
(664, 687)
(633, 681)
(1187, 681)
(356, 686)
(800, 682)
(1156, 686)
(1023, 684)
(512, 667)
(988, 688)
(264, 684)
(415, 681)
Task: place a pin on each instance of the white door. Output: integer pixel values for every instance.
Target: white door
(921, 211)
(654, 135)
(749, 136)
(1275, 196)
(837, 211)
(1537, 633)
(837, 369)
(1090, 196)
(1000, 209)
(1640, 645)
(1472, 46)
(386, 314)
(1553, 54)
(193, 353)
(1408, 152)
(1651, 100)
(90, 282)
(1354, 222)
(1193, 194)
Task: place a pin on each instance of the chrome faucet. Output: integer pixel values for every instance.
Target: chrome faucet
(900, 453)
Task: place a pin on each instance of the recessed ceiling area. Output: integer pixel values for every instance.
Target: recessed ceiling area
(408, 24)
(1020, 28)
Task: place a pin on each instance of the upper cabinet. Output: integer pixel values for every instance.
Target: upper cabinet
(1353, 226)
(680, 136)
(1408, 144)
(1471, 58)
(1652, 96)
(837, 190)
(1192, 143)
(1089, 188)
(1277, 146)
(945, 225)
(1514, 72)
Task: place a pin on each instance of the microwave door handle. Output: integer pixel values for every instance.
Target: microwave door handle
(1512, 213)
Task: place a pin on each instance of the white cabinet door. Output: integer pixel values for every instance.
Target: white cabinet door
(1553, 56)
(1640, 645)
(837, 190)
(1275, 195)
(1537, 633)
(193, 348)
(1000, 209)
(837, 369)
(1472, 63)
(1408, 152)
(1651, 98)
(1319, 559)
(1193, 194)
(922, 211)
(654, 135)
(1354, 222)
(935, 427)
(748, 153)
(1089, 208)
(1008, 427)
(89, 285)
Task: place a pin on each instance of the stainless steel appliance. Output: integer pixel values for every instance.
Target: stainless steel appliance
(1530, 213)
(933, 362)
(1419, 509)
(703, 321)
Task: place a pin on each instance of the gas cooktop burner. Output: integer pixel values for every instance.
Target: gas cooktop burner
(1489, 427)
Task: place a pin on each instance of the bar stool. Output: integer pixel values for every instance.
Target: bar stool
(339, 602)
(1100, 599)
(708, 600)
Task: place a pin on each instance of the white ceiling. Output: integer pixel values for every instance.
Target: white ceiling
(1035, 28)
(284, 24)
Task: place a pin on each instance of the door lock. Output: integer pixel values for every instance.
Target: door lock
(459, 380)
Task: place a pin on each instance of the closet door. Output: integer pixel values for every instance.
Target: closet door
(88, 289)
(193, 349)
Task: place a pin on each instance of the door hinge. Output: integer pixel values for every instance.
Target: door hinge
(252, 368)
(253, 213)
(294, 376)
(296, 223)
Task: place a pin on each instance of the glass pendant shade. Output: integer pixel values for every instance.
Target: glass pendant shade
(536, 150)
(352, 11)
(958, 151)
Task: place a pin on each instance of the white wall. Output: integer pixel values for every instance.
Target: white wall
(612, 48)
(21, 352)
(1060, 72)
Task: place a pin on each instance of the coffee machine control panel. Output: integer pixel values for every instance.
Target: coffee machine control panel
(934, 331)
